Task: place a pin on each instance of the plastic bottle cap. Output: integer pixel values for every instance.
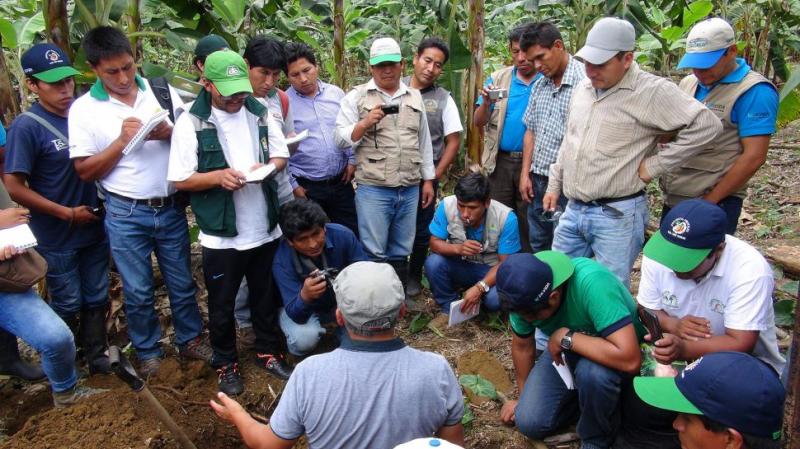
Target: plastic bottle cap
(434, 442)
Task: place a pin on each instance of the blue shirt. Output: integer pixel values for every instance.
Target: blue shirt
(756, 110)
(317, 157)
(2, 135)
(508, 242)
(513, 128)
(341, 249)
(44, 158)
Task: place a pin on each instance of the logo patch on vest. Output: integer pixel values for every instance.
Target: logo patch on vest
(431, 105)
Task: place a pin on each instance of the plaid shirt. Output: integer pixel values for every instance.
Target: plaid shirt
(546, 114)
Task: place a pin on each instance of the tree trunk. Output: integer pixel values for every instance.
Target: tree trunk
(338, 43)
(474, 80)
(9, 108)
(56, 22)
(134, 25)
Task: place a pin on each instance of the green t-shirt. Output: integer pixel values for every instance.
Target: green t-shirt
(596, 304)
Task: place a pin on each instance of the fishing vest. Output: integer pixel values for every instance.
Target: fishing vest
(494, 129)
(435, 100)
(493, 222)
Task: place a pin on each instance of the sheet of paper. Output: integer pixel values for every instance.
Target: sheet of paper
(260, 173)
(565, 373)
(457, 316)
(297, 138)
(19, 236)
(141, 135)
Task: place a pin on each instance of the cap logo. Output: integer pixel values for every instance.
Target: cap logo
(234, 71)
(699, 42)
(543, 291)
(679, 227)
(52, 56)
(690, 367)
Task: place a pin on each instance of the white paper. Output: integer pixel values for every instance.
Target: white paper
(457, 316)
(138, 139)
(565, 373)
(260, 173)
(301, 136)
(19, 236)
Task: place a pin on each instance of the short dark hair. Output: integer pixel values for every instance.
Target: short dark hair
(299, 50)
(543, 34)
(265, 51)
(301, 215)
(472, 187)
(105, 42)
(750, 441)
(516, 33)
(434, 42)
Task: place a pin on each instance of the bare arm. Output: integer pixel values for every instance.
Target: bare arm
(483, 112)
(619, 351)
(100, 165)
(451, 142)
(672, 347)
(444, 248)
(752, 158)
(254, 434)
(16, 184)
(525, 183)
(453, 434)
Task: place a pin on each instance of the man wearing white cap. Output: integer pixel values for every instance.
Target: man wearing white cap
(608, 155)
(746, 104)
(384, 121)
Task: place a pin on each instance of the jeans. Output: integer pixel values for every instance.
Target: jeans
(732, 205)
(541, 230)
(545, 405)
(135, 231)
(613, 233)
(387, 217)
(77, 279)
(241, 309)
(448, 275)
(303, 338)
(28, 317)
(337, 200)
(504, 182)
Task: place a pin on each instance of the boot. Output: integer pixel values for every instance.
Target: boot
(73, 323)
(415, 265)
(401, 268)
(10, 362)
(93, 339)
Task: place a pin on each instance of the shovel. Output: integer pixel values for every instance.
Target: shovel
(124, 370)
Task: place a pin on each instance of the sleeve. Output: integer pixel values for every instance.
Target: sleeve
(606, 307)
(488, 82)
(21, 148)
(426, 149)
(183, 150)
(454, 399)
(357, 252)
(554, 181)
(450, 118)
(289, 284)
(529, 118)
(749, 306)
(520, 326)
(346, 120)
(286, 421)
(756, 111)
(438, 226)
(648, 295)
(2, 135)
(288, 121)
(509, 236)
(277, 142)
(81, 135)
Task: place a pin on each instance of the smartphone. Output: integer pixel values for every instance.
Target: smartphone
(650, 322)
(390, 108)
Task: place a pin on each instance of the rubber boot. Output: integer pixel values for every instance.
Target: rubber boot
(10, 362)
(417, 260)
(73, 323)
(93, 339)
(401, 269)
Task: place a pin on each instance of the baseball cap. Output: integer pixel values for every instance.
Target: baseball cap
(428, 443)
(706, 43)
(209, 44)
(228, 71)
(384, 49)
(47, 62)
(607, 37)
(734, 389)
(369, 295)
(687, 235)
(525, 281)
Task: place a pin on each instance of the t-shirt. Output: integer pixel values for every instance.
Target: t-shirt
(513, 128)
(508, 241)
(2, 135)
(44, 158)
(735, 294)
(596, 304)
(368, 395)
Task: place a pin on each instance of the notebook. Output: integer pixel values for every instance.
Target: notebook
(260, 173)
(141, 135)
(20, 236)
(297, 138)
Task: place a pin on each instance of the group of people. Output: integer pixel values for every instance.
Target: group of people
(548, 231)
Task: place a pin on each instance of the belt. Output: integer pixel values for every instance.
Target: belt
(510, 154)
(328, 182)
(152, 202)
(604, 202)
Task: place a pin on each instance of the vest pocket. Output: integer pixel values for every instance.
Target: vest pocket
(210, 156)
(210, 210)
(373, 167)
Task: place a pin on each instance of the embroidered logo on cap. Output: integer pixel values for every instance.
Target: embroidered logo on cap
(52, 56)
(234, 71)
(679, 227)
(697, 43)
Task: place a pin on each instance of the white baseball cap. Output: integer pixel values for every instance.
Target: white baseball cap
(369, 295)
(607, 37)
(428, 443)
(706, 43)
(384, 49)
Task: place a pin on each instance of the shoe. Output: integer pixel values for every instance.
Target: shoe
(149, 367)
(197, 348)
(93, 340)
(246, 337)
(73, 395)
(230, 381)
(415, 264)
(22, 369)
(413, 288)
(275, 365)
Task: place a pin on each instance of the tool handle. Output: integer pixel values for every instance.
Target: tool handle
(165, 418)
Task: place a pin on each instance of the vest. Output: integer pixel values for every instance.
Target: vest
(493, 223)
(389, 154)
(214, 208)
(494, 129)
(435, 100)
(698, 175)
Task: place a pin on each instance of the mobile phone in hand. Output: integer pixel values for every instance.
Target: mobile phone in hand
(650, 322)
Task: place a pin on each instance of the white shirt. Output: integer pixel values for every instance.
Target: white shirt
(286, 125)
(94, 124)
(735, 294)
(451, 121)
(238, 136)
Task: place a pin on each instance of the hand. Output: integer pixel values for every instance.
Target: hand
(427, 193)
(230, 179)
(485, 94)
(375, 115)
(469, 248)
(643, 174)
(162, 131)
(130, 126)
(8, 252)
(693, 328)
(348, 173)
(14, 216)
(668, 349)
(83, 215)
(299, 192)
(313, 287)
(526, 187)
(550, 201)
(227, 408)
(554, 345)
(508, 412)
(472, 300)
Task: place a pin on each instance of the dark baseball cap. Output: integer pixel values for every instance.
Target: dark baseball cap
(47, 62)
(525, 281)
(687, 235)
(209, 44)
(734, 389)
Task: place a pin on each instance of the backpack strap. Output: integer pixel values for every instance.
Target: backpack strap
(49, 126)
(163, 95)
(284, 102)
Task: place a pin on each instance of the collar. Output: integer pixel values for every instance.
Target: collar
(742, 69)
(722, 262)
(320, 90)
(201, 107)
(571, 77)
(348, 344)
(627, 82)
(98, 91)
(430, 88)
(402, 90)
(515, 79)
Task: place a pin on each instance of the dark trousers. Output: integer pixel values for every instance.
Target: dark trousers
(424, 218)
(336, 198)
(732, 205)
(541, 230)
(223, 270)
(504, 181)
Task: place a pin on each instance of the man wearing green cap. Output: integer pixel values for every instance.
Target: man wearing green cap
(205, 46)
(219, 142)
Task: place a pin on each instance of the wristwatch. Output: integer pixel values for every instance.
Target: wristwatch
(566, 340)
(483, 286)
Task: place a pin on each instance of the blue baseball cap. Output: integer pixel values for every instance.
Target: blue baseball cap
(734, 389)
(47, 62)
(687, 235)
(706, 43)
(525, 281)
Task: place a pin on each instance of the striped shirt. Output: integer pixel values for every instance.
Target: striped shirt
(609, 135)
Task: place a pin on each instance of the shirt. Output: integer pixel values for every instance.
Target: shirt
(2, 135)
(275, 107)
(507, 243)
(513, 128)
(546, 115)
(610, 135)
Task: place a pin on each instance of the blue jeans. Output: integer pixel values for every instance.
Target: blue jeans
(545, 405)
(135, 231)
(387, 218)
(77, 279)
(28, 317)
(613, 233)
(541, 230)
(448, 275)
(301, 339)
(241, 310)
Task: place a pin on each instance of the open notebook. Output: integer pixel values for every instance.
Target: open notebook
(141, 135)
(20, 236)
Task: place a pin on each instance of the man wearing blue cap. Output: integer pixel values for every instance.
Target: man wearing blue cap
(724, 400)
(747, 105)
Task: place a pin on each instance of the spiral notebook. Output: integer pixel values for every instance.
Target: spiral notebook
(20, 237)
(141, 135)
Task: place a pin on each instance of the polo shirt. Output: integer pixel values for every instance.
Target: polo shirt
(596, 304)
(513, 128)
(508, 241)
(735, 294)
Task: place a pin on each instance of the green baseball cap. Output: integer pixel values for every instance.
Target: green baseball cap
(228, 71)
(209, 44)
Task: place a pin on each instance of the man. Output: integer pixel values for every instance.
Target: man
(205, 46)
(311, 254)
(2, 146)
(503, 137)
(318, 170)
(219, 139)
(348, 398)
(608, 154)
(545, 120)
(724, 400)
(594, 333)
(471, 235)
(394, 152)
(65, 217)
(142, 215)
(747, 105)
(445, 127)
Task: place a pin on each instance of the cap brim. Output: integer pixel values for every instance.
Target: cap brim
(662, 392)
(230, 87)
(701, 60)
(594, 55)
(385, 58)
(56, 74)
(672, 256)
(559, 263)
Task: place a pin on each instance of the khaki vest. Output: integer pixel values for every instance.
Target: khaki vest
(698, 175)
(494, 221)
(494, 129)
(389, 154)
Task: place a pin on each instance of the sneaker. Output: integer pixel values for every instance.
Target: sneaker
(246, 337)
(196, 348)
(149, 367)
(73, 395)
(275, 365)
(230, 381)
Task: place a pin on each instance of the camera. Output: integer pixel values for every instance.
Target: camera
(390, 108)
(328, 273)
(496, 94)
